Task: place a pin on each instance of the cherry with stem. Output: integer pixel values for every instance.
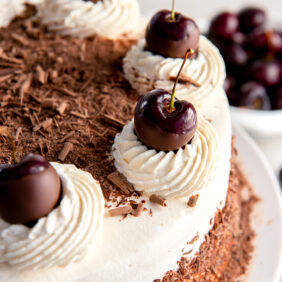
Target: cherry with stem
(163, 122)
(170, 34)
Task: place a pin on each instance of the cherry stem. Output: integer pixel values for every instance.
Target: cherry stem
(5, 132)
(172, 16)
(189, 52)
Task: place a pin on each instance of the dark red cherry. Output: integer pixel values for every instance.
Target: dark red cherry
(267, 73)
(224, 25)
(29, 190)
(274, 41)
(160, 128)
(229, 84)
(277, 99)
(254, 96)
(251, 18)
(235, 57)
(229, 87)
(265, 41)
(171, 38)
(239, 38)
(257, 40)
(234, 54)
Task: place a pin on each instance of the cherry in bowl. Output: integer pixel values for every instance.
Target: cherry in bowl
(277, 99)
(224, 25)
(266, 72)
(253, 96)
(251, 18)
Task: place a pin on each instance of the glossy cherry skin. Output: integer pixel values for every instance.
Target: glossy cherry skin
(253, 95)
(265, 72)
(251, 18)
(234, 54)
(171, 38)
(239, 38)
(265, 41)
(29, 190)
(160, 129)
(228, 84)
(235, 57)
(229, 88)
(224, 25)
(275, 41)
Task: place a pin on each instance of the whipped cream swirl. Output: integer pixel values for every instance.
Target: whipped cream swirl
(107, 18)
(64, 235)
(146, 71)
(169, 174)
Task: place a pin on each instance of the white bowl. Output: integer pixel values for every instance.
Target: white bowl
(259, 123)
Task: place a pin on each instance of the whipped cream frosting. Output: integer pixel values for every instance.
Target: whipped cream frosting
(64, 235)
(107, 18)
(168, 174)
(146, 71)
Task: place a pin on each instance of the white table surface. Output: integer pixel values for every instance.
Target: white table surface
(272, 148)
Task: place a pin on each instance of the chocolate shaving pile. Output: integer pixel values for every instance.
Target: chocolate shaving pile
(64, 98)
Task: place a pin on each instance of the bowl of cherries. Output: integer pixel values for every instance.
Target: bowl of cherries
(253, 57)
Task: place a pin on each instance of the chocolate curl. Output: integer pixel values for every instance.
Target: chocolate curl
(120, 210)
(140, 208)
(117, 179)
(25, 87)
(193, 201)
(158, 200)
(68, 146)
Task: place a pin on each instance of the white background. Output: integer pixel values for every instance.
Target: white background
(207, 8)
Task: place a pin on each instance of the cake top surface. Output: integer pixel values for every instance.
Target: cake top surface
(57, 90)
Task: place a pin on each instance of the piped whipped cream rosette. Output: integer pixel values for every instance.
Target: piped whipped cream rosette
(64, 235)
(107, 18)
(169, 174)
(146, 71)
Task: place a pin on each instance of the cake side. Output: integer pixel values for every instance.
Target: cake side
(226, 252)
